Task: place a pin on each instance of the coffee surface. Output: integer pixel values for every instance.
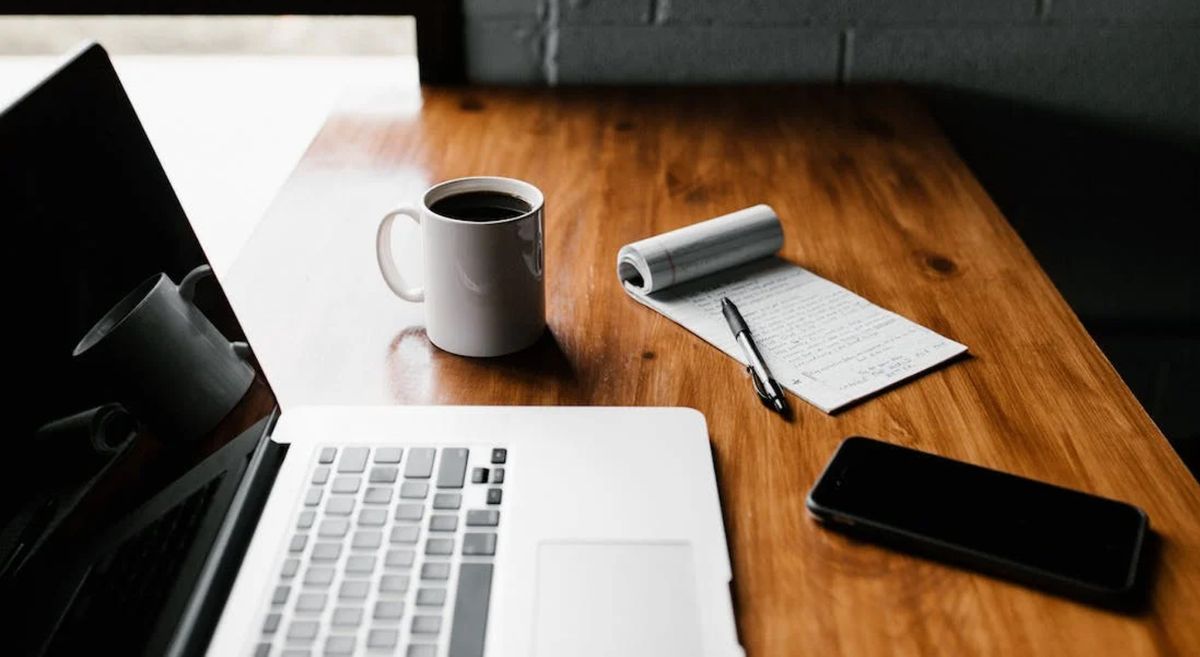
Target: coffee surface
(481, 206)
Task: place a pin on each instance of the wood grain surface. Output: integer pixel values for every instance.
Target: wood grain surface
(873, 197)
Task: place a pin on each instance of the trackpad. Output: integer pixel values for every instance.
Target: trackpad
(616, 600)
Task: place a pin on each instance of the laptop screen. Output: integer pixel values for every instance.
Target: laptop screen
(127, 366)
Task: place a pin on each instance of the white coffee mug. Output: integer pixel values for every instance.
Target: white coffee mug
(484, 287)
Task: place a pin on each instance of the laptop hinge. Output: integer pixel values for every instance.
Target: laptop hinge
(233, 537)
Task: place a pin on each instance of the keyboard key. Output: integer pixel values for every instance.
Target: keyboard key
(262, 650)
(471, 610)
(300, 630)
(313, 497)
(453, 468)
(290, 566)
(339, 506)
(347, 616)
(339, 645)
(393, 584)
(271, 624)
(421, 650)
(382, 638)
(354, 589)
(318, 576)
(431, 597)
(479, 475)
(383, 474)
(443, 522)
(306, 519)
(414, 490)
(298, 543)
(388, 454)
(494, 495)
(439, 546)
(399, 559)
(372, 517)
(498, 476)
(426, 624)
(420, 463)
(483, 517)
(409, 511)
(297, 652)
(360, 564)
(346, 484)
(499, 455)
(354, 459)
(333, 528)
(405, 533)
(321, 474)
(435, 570)
(367, 539)
(479, 545)
(326, 551)
(447, 500)
(327, 455)
(388, 610)
(378, 495)
(281, 594)
(311, 602)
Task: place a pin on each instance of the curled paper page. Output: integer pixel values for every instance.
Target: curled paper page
(682, 255)
(822, 342)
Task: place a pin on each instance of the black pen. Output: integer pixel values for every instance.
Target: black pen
(764, 384)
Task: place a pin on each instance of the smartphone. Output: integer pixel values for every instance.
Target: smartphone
(1053, 538)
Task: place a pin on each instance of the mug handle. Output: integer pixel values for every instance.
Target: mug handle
(387, 262)
(187, 287)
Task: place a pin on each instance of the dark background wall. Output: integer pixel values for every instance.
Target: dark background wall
(1129, 61)
(1080, 117)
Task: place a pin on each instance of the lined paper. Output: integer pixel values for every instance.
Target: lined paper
(822, 342)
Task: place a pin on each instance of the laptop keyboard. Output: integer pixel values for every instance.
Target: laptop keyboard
(391, 552)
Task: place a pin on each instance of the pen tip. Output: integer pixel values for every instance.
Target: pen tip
(779, 404)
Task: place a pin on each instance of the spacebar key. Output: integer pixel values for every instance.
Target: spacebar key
(471, 610)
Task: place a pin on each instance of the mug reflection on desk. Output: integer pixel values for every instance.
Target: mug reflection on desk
(165, 360)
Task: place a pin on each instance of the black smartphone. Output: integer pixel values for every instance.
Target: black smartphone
(1053, 538)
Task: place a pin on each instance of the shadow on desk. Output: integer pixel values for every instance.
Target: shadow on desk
(479, 380)
(1109, 212)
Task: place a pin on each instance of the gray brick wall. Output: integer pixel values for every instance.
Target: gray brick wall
(1132, 61)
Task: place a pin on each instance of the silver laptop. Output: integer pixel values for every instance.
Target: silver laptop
(199, 518)
(463, 532)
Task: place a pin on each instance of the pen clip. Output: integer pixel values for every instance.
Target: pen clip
(759, 386)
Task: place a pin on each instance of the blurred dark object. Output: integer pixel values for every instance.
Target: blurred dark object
(70, 454)
(79, 444)
(1112, 216)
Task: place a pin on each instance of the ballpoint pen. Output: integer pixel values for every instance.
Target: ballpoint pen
(764, 384)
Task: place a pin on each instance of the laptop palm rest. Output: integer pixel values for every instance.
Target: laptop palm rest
(629, 599)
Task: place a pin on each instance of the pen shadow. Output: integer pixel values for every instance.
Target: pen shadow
(960, 358)
(788, 414)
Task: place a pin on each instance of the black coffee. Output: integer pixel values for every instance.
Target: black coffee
(481, 206)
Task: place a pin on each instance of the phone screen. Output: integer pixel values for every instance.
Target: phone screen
(994, 515)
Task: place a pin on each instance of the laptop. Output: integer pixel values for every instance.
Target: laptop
(156, 500)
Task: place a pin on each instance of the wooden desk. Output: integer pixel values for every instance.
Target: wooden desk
(873, 197)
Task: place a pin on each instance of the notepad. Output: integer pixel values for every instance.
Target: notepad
(822, 342)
